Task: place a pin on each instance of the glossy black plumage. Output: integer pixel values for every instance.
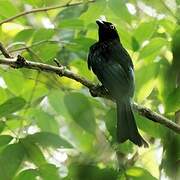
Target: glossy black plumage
(114, 68)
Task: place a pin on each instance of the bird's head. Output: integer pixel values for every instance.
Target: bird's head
(107, 31)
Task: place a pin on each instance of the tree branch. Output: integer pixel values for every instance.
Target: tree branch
(20, 62)
(4, 51)
(41, 10)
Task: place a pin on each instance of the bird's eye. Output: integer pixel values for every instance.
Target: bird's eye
(112, 26)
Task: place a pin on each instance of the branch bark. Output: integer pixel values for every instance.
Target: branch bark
(20, 62)
(41, 10)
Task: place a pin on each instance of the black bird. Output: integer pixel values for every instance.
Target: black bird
(114, 68)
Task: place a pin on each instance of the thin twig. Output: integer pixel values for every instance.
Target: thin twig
(20, 62)
(41, 10)
(4, 51)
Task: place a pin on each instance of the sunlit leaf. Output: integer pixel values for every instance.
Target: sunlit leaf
(145, 80)
(81, 44)
(30, 174)
(81, 111)
(11, 105)
(33, 152)
(120, 9)
(138, 173)
(45, 121)
(135, 44)
(49, 172)
(2, 126)
(94, 11)
(82, 68)
(5, 139)
(71, 13)
(173, 101)
(72, 23)
(46, 139)
(43, 34)
(168, 25)
(56, 100)
(10, 160)
(47, 51)
(153, 47)
(146, 89)
(144, 31)
(24, 35)
(111, 123)
(7, 9)
(16, 85)
(151, 128)
(11, 29)
(34, 3)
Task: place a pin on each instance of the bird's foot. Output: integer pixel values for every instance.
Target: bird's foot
(98, 91)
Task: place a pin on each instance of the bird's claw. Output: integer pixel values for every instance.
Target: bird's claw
(98, 90)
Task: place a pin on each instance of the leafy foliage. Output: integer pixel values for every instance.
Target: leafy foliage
(51, 128)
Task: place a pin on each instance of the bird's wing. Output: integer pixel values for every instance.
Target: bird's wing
(113, 70)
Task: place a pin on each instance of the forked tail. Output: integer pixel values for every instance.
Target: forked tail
(126, 125)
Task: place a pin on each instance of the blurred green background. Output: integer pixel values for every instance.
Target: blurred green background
(51, 128)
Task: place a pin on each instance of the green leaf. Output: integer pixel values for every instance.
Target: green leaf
(173, 101)
(33, 152)
(176, 46)
(81, 111)
(10, 160)
(145, 80)
(171, 146)
(144, 31)
(71, 23)
(119, 8)
(5, 139)
(2, 126)
(90, 172)
(152, 48)
(34, 3)
(94, 11)
(125, 36)
(138, 173)
(28, 174)
(11, 105)
(111, 125)
(168, 25)
(46, 51)
(24, 35)
(56, 100)
(49, 172)
(3, 94)
(72, 12)
(82, 69)
(81, 44)
(110, 120)
(149, 127)
(178, 2)
(46, 139)
(160, 6)
(135, 44)
(14, 81)
(7, 9)
(146, 89)
(45, 121)
(43, 34)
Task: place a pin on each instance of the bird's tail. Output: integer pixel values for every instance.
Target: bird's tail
(126, 125)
